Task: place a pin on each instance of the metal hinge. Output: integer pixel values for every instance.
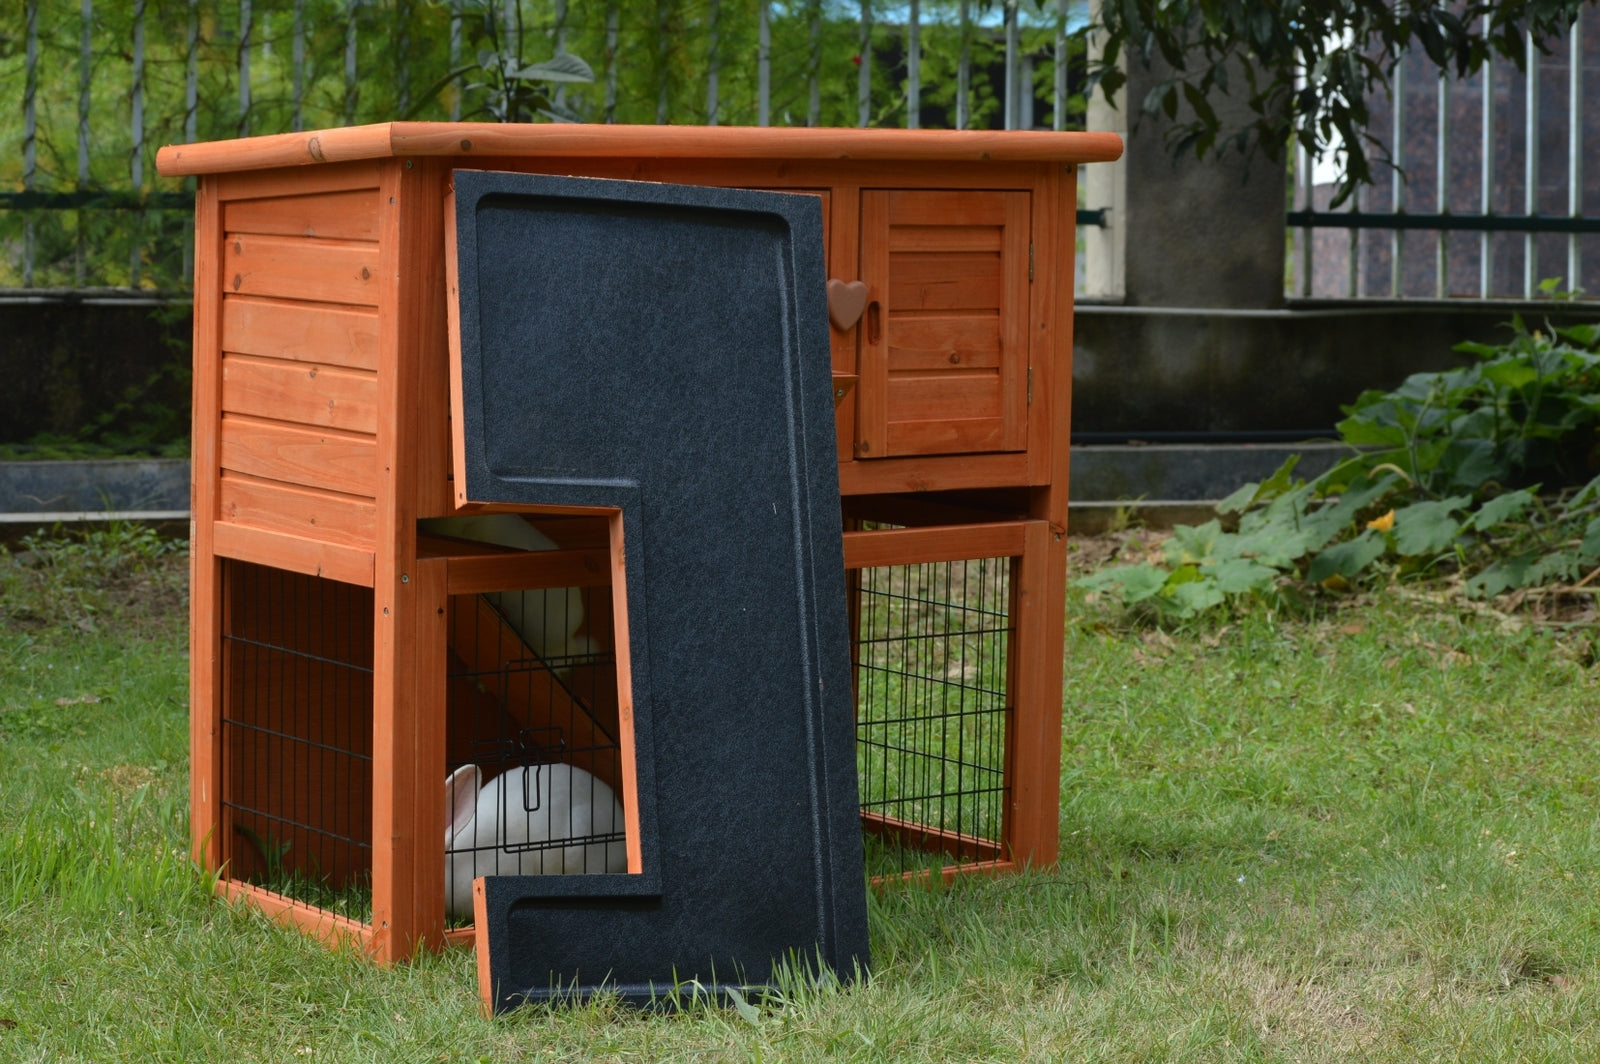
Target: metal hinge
(1030, 385)
(1030, 263)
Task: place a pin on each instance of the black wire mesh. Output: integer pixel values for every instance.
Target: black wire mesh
(932, 710)
(532, 744)
(297, 736)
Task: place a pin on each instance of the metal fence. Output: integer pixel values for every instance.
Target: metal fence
(102, 85)
(1490, 197)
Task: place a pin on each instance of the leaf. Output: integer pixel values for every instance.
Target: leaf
(1190, 545)
(1195, 596)
(1501, 576)
(1502, 508)
(1589, 551)
(1427, 527)
(1347, 559)
(563, 66)
(1134, 583)
(1511, 374)
(1238, 576)
(748, 1012)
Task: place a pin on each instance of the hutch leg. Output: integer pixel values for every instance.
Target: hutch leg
(1038, 602)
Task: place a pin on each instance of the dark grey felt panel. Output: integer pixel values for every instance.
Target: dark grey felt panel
(664, 350)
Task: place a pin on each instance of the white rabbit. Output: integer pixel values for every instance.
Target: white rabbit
(487, 824)
(546, 620)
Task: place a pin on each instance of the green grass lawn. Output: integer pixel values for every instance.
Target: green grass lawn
(1370, 835)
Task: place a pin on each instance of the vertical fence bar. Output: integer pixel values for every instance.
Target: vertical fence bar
(30, 129)
(1396, 179)
(1352, 281)
(191, 121)
(864, 72)
(612, 32)
(402, 56)
(136, 129)
(1530, 167)
(85, 74)
(455, 59)
(351, 90)
(1486, 193)
(964, 68)
(245, 28)
(1574, 146)
(560, 94)
(297, 89)
(1059, 122)
(1441, 176)
(1012, 45)
(713, 60)
(914, 67)
(663, 11)
(764, 65)
(814, 68)
(1304, 179)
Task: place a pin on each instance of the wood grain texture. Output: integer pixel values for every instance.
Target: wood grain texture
(295, 554)
(327, 271)
(601, 141)
(319, 333)
(320, 924)
(945, 543)
(205, 584)
(289, 454)
(305, 393)
(340, 519)
(344, 215)
(307, 181)
(1033, 741)
(428, 755)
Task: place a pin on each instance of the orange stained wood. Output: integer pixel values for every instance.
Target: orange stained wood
(319, 333)
(343, 215)
(321, 924)
(928, 839)
(295, 554)
(470, 139)
(205, 584)
(944, 543)
(1033, 738)
(307, 393)
(300, 455)
(329, 271)
(349, 520)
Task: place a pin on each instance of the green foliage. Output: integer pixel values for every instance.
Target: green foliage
(1306, 70)
(1447, 479)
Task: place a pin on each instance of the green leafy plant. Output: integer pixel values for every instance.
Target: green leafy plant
(513, 91)
(1447, 478)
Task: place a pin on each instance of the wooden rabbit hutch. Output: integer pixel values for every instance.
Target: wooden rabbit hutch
(343, 596)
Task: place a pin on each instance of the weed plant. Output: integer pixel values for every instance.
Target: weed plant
(1368, 834)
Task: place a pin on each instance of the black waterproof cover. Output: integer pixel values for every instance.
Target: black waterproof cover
(664, 350)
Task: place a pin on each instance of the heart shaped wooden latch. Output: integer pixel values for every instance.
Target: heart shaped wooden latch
(846, 301)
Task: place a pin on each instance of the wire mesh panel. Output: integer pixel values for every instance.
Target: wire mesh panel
(932, 711)
(532, 740)
(297, 736)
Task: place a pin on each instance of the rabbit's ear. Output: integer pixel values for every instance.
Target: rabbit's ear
(461, 796)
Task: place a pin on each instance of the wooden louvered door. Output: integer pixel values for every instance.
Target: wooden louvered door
(943, 356)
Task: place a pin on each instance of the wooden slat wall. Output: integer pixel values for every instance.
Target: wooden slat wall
(299, 376)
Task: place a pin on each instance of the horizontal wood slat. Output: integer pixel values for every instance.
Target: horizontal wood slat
(349, 215)
(954, 207)
(324, 396)
(325, 271)
(478, 574)
(294, 455)
(945, 238)
(296, 554)
(304, 332)
(932, 281)
(967, 436)
(343, 519)
(940, 543)
(945, 396)
(945, 342)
